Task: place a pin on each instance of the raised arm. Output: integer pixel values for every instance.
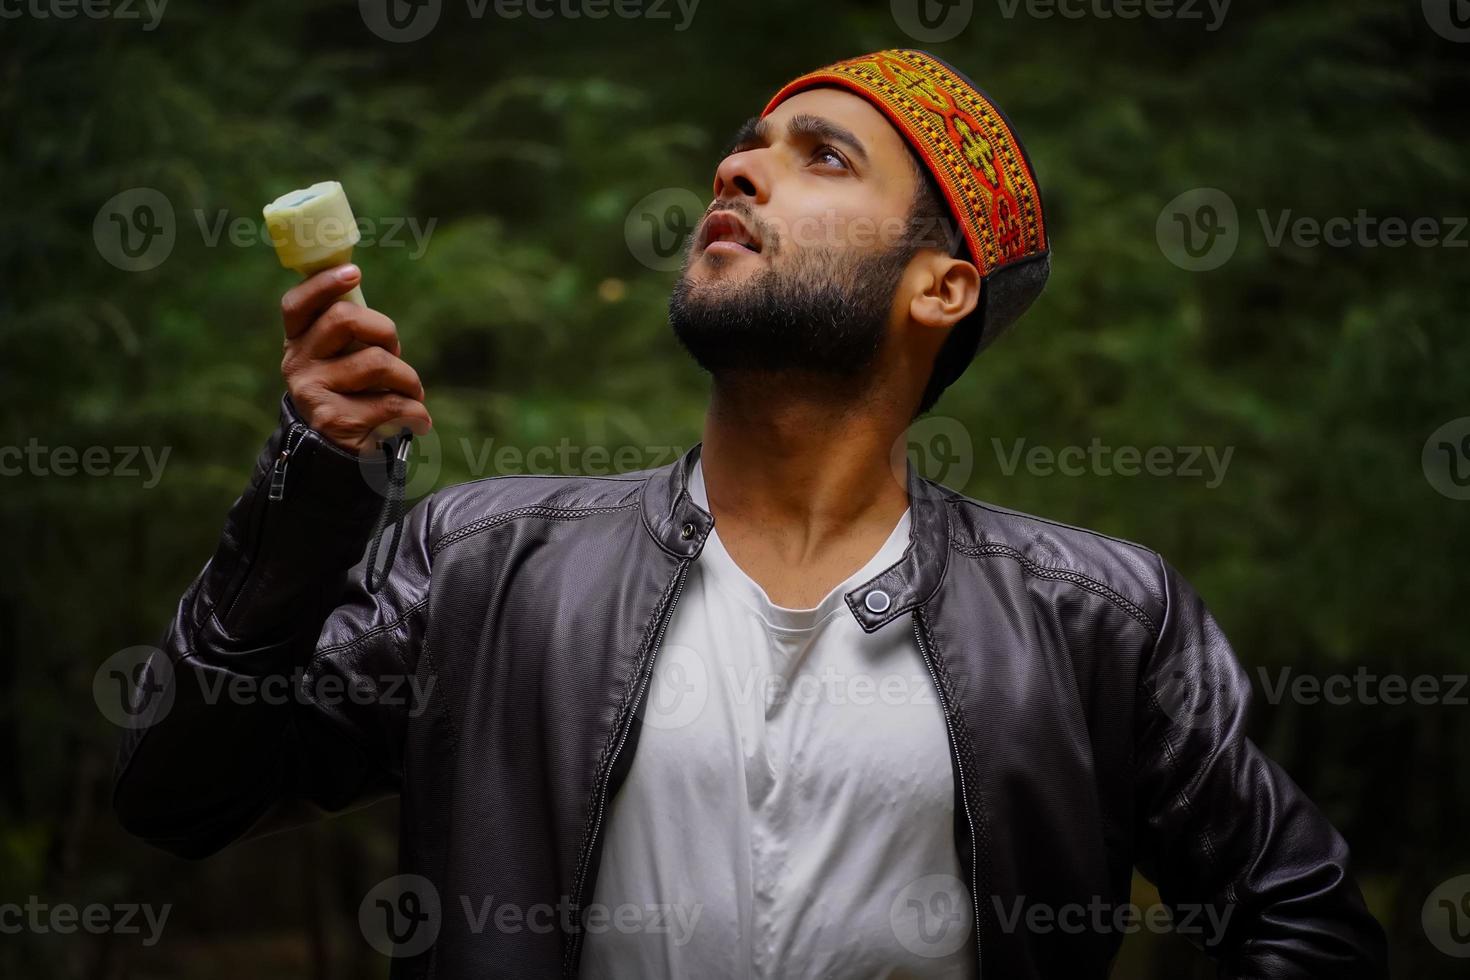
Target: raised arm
(280, 685)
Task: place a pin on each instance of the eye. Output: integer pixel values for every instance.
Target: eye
(830, 156)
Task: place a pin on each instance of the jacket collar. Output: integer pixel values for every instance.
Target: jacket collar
(681, 527)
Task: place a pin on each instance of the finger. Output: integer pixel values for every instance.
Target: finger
(371, 369)
(344, 325)
(385, 413)
(302, 303)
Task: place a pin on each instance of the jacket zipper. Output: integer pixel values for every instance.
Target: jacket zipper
(964, 791)
(278, 471)
(574, 960)
(276, 491)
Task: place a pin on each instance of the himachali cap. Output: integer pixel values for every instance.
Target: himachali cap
(969, 147)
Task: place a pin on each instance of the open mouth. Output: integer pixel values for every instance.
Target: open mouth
(725, 230)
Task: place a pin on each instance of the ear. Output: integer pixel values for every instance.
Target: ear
(949, 291)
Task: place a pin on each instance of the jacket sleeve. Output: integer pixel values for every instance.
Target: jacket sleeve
(1236, 848)
(281, 687)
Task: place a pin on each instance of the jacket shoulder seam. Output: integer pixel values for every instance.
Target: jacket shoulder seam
(981, 505)
(1033, 567)
(535, 510)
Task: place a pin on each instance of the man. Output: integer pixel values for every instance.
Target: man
(781, 708)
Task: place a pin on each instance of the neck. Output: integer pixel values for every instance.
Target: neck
(803, 463)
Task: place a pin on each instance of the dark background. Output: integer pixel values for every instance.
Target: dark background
(1335, 541)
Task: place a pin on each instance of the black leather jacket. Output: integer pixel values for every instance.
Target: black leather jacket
(1096, 713)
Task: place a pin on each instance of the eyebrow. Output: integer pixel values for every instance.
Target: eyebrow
(802, 126)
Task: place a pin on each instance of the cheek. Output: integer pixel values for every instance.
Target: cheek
(836, 222)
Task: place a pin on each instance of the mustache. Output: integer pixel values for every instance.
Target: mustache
(770, 241)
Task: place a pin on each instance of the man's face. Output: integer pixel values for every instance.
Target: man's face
(796, 263)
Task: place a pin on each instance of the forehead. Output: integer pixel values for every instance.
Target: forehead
(884, 145)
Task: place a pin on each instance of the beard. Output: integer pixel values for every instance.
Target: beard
(823, 314)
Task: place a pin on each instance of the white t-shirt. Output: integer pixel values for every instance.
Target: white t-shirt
(789, 812)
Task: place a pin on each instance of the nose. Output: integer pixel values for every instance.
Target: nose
(744, 175)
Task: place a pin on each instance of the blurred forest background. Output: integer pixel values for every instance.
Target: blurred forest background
(535, 315)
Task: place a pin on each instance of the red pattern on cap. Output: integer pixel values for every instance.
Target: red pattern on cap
(963, 139)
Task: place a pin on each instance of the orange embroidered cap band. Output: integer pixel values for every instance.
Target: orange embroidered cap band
(969, 147)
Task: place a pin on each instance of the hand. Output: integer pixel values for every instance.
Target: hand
(342, 365)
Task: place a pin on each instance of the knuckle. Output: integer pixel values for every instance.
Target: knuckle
(380, 360)
(395, 406)
(340, 423)
(333, 319)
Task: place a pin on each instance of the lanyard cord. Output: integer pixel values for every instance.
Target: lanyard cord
(392, 512)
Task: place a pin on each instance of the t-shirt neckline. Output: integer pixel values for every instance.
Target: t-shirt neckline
(785, 619)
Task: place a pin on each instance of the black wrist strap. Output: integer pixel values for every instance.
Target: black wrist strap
(392, 512)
